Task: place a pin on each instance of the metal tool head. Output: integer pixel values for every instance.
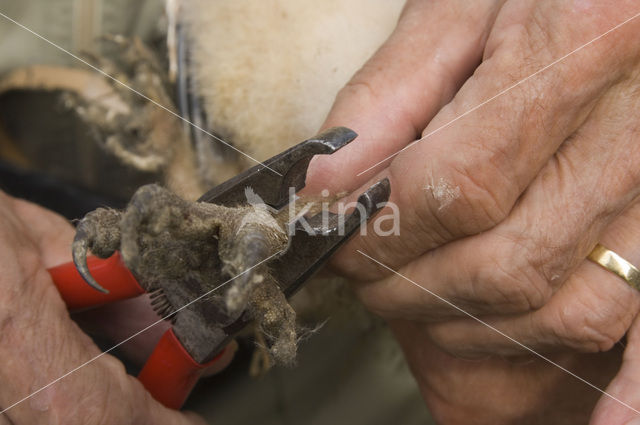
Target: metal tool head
(310, 247)
(319, 236)
(272, 179)
(312, 239)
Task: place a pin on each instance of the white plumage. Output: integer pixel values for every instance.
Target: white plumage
(269, 70)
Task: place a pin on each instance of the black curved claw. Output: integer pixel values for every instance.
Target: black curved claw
(79, 250)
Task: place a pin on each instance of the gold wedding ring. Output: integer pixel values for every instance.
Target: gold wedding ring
(616, 264)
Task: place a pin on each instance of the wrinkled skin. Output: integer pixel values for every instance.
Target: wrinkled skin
(500, 209)
(39, 342)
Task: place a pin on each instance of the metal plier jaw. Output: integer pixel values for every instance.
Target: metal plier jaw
(310, 245)
(197, 338)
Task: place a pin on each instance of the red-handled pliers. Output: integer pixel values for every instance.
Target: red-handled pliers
(170, 372)
(196, 340)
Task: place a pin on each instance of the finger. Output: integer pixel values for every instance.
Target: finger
(467, 176)
(590, 312)
(497, 390)
(56, 371)
(621, 404)
(52, 236)
(517, 266)
(51, 232)
(129, 317)
(119, 321)
(433, 49)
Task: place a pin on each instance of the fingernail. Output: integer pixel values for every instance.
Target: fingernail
(635, 421)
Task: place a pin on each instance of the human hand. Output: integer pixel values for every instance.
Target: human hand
(505, 197)
(39, 343)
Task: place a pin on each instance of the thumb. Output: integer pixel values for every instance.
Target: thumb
(51, 232)
(434, 48)
(621, 403)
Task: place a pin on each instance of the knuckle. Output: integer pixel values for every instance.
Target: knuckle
(512, 283)
(591, 330)
(474, 197)
(529, 38)
(590, 335)
(359, 88)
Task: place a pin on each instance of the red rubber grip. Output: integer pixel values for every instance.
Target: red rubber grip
(171, 373)
(111, 273)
